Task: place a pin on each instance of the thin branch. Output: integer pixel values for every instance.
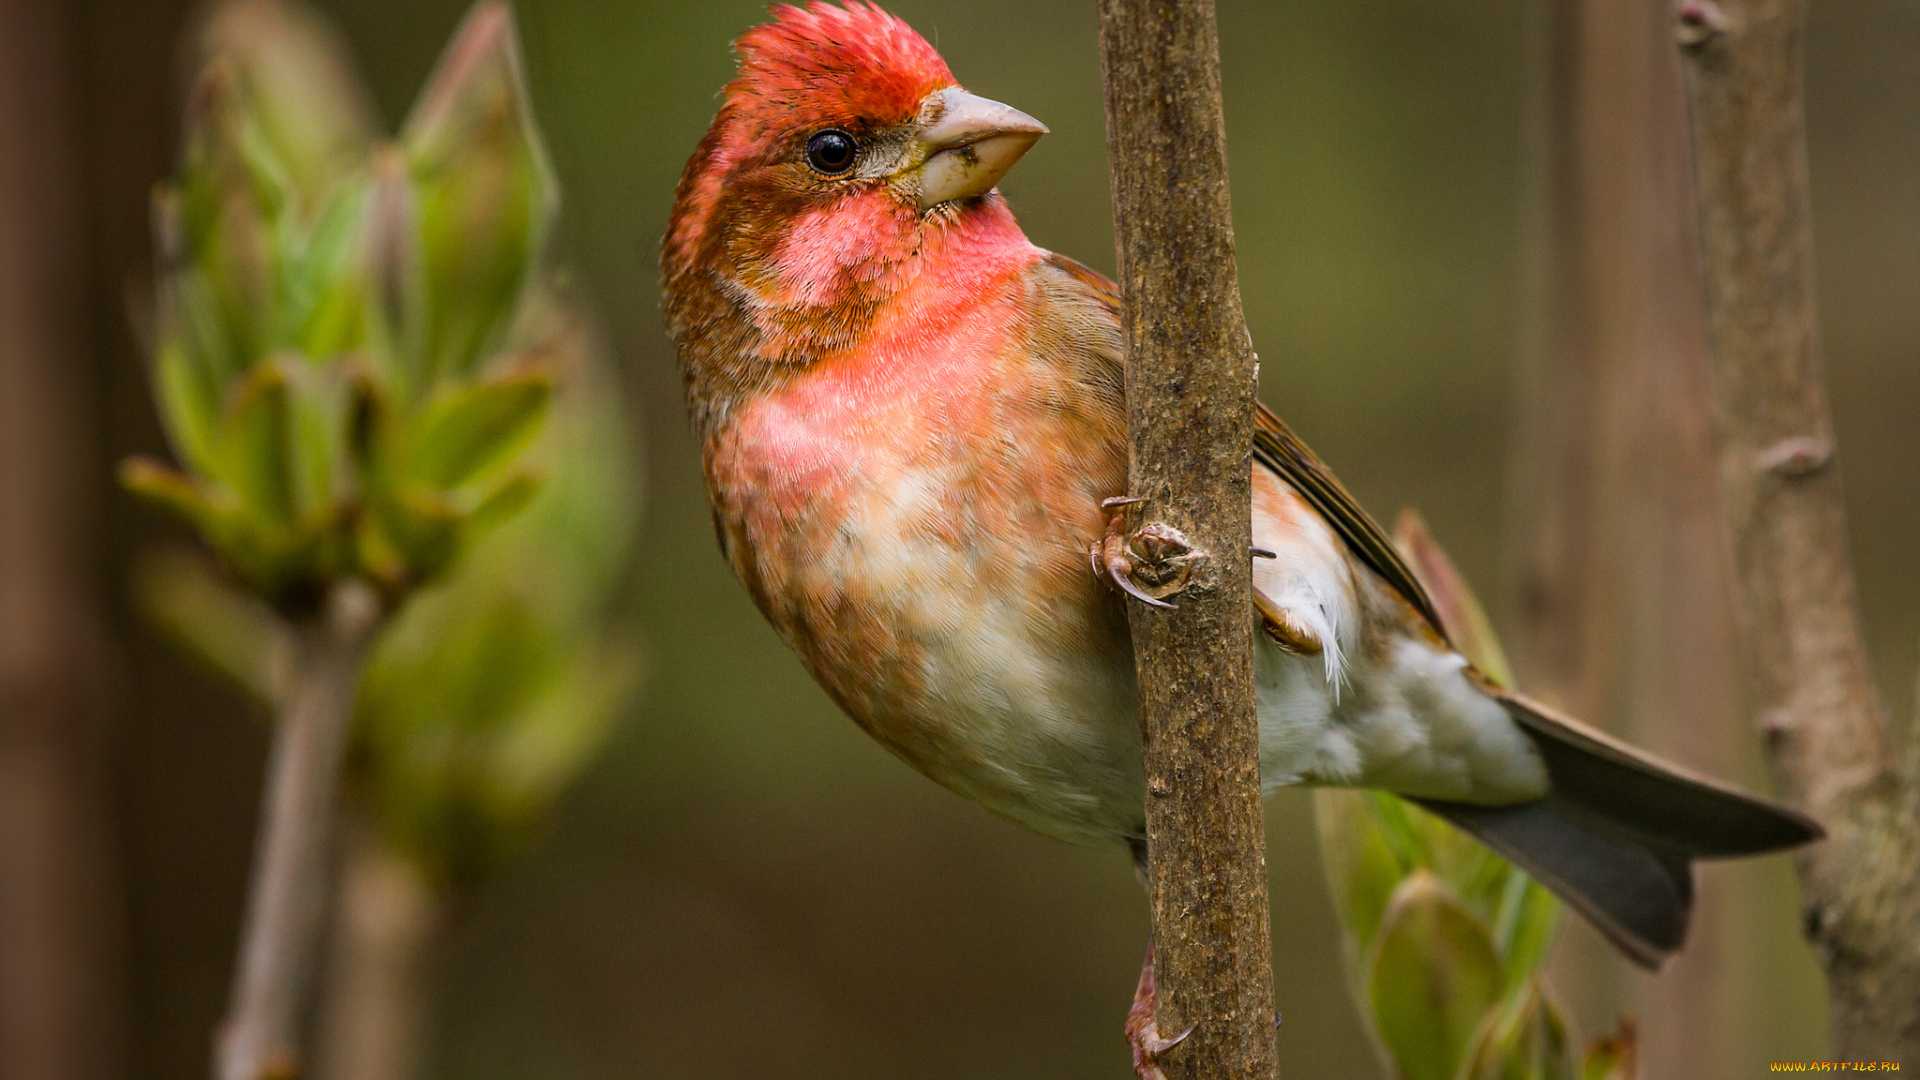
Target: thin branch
(1826, 730)
(260, 1039)
(387, 923)
(1190, 393)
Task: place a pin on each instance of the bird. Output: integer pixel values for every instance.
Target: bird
(913, 436)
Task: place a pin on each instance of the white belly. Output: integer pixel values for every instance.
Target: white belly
(1413, 724)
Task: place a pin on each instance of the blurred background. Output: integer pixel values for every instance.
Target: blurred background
(1464, 247)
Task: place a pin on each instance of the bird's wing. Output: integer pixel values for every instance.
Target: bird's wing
(1099, 284)
(1281, 452)
(1277, 449)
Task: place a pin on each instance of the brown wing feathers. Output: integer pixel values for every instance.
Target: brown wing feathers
(1276, 447)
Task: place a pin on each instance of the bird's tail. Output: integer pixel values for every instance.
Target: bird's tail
(1617, 835)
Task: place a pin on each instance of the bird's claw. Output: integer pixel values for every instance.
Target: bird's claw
(1149, 563)
(1147, 1048)
(1114, 564)
(1143, 1032)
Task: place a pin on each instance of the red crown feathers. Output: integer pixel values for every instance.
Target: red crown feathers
(826, 64)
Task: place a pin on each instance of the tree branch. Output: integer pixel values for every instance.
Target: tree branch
(1191, 378)
(260, 1039)
(1826, 730)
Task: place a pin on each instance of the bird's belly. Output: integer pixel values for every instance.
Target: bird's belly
(988, 659)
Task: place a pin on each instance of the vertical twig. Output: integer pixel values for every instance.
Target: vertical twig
(387, 920)
(1826, 729)
(1190, 392)
(260, 1038)
(57, 1017)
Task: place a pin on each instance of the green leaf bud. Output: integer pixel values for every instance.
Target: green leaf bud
(293, 80)
(486, 192)
(1433, 979)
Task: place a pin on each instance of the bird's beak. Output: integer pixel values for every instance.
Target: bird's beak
(969, 143)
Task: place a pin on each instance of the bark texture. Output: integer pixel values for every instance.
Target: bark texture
(1191, 377)
(58, 1014)
(260, 1038)
(1826, 728)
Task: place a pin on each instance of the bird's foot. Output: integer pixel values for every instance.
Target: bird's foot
(1143, 1033)
(1149, 563)
(1286, 627)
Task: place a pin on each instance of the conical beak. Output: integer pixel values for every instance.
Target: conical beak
(970, 143)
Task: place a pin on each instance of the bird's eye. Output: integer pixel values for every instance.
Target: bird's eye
(831, 152)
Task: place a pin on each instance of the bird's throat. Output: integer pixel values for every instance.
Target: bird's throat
(840, 275)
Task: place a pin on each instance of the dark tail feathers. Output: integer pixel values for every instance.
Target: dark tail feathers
(1617, 835)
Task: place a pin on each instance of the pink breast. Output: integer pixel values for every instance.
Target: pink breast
(913, 397)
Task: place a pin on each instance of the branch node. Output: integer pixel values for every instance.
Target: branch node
(1165, 560)
(1698, 22)
(355, 611)
(1795, 458)
(1774, 725)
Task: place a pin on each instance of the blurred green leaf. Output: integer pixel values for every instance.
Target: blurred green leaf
(1476, 873)
(486, 192)
(319, 468)
(231, 195)
(496, 687)
(254, 456)
(1613, 1057)
(396, 280)
(1401, 830)
(1361, 866)
(294, 80)
(1525, 1041)
(217, 622)
(423, 528)
(1524, 927)
(188, 397)
(326, 281)
(190, 316)
(468, 430)
(503, 502)
(566, 727)
(171, 490)
(1433, 979)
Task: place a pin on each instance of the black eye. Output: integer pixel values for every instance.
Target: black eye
(831, 151)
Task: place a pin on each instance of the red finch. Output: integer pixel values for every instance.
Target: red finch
(910, 418)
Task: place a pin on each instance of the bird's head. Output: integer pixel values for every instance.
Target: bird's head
(843, 143)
